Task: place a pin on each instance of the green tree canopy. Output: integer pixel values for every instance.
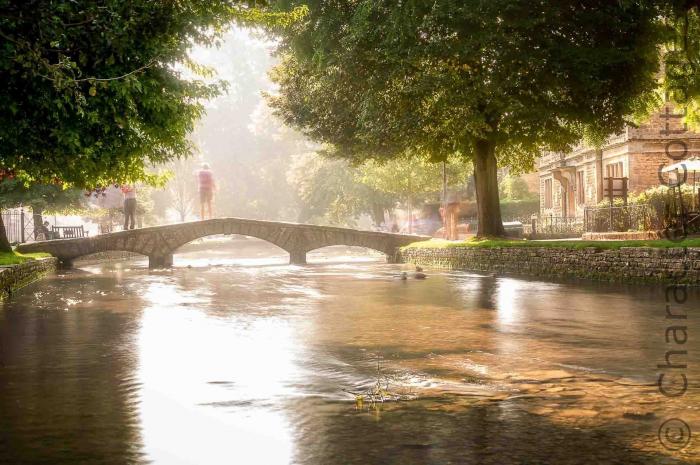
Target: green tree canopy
(97, 92)
(681, 56)
(89, 89)
(41, 198)
(479, 78)
(410, 178)
(330, 192)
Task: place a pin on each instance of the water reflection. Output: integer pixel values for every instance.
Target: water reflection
(68, 383)
(214, 362)
(202, 409)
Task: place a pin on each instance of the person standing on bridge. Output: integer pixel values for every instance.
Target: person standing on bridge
(206, 187)
(129, 192)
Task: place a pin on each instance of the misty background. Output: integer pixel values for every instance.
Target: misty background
(266, 170)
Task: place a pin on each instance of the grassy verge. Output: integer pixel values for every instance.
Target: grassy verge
(486, 243)
(14, 258)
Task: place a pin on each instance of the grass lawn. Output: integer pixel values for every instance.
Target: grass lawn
(14, 258)
(442, 244)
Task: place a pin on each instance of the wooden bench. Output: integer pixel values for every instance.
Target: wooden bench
(68, 232)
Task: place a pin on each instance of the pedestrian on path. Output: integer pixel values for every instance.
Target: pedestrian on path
(451, 216)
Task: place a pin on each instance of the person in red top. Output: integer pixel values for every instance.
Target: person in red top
(206, 187)
(450, 216)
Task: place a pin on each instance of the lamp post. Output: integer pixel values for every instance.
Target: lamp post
(444, 198)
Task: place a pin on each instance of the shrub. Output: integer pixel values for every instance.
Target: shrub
(651, 209)
(520, 210)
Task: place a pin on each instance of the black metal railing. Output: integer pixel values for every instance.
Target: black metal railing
(550, 225)
(19, 225)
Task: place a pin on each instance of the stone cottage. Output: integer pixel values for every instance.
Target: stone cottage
(569, 182)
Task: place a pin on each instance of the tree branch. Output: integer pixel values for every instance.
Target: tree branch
(115, 78)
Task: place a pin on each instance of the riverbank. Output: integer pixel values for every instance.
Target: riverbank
(660, 261)
(16, 271)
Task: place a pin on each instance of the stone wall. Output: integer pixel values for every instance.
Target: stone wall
(624, 236)
(110, 255)
(628, 264)
(14, 277)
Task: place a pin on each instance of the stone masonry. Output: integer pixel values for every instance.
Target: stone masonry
(627, 264)
(159, 242)
(13, 277)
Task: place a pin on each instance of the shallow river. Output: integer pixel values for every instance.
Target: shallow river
(235, 357)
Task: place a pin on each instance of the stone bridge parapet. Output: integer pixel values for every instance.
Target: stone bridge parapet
(159, 243)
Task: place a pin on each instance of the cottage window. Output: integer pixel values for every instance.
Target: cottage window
(547, 193)
(614, 170)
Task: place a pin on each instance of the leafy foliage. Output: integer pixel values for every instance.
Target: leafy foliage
(46, 198)
(652, 209)
(333, 191)
(93, 92)
(330, 193)
(180, 192)
(682, 58)
(515, 188)
(380, 79)
(410, 178)
(521, 210)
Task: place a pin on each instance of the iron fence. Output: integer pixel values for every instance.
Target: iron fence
(559, 226)
(621, 218)
(19, 225)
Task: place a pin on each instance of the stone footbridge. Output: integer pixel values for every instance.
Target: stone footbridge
(159, 243)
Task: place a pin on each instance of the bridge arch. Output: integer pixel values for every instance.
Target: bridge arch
(385, 247)
(317, 255)
(282, 235)
(223, 245)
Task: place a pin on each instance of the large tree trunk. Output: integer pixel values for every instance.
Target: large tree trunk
(486, 181)
(4, 243)
(377, 213)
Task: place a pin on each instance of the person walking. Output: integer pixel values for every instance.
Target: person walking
(129, 193)
(451, 216)
(206, 187)
(44, 232)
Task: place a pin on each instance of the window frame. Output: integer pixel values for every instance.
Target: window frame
(548, 200)
(580, 187)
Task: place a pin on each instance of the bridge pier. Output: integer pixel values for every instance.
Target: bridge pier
(160, 261)
(297, 257)
(392, 257)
